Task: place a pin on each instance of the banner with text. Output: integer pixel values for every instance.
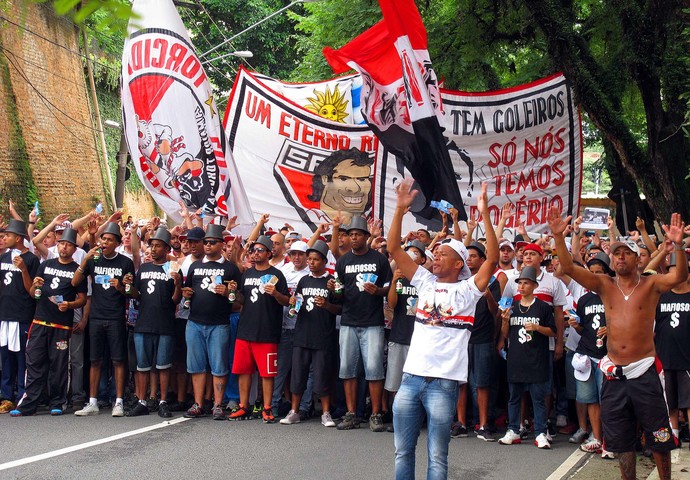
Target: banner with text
(526, 142)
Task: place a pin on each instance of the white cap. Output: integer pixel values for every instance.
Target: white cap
(461, 250)
(506, 243)
(298, 246)
(582, 366)
(625, 243)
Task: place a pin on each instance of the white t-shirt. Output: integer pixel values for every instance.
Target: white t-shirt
(442, 329)
(292, 276)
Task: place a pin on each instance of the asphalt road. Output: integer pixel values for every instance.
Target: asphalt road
(249, 449)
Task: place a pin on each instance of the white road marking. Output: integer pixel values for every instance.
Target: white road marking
(567, 465)
(82, 446)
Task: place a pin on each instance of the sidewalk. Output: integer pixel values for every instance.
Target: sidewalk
(593, 467)
(680, 470)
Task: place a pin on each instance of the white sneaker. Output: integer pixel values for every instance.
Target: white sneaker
(89, 409)
(591, 446)
(548, 436)
(118, 410)
(607, 455)
(510, 438)
(290, 418)
(561, 420)
(327, 420)
(542, 442)
(578, 437)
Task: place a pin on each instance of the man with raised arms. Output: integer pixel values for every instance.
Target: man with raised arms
(437, 361)
(632, 391)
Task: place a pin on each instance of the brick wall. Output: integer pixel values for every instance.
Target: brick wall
(49, 110)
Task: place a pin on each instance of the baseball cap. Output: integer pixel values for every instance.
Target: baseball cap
(461, 250)
(196, 233)
(535, 248)
(602, 259)
(479, 248)
(296, 235)
(629, 244)
(418, 245)
(582, 367)
(298, 246)
(506, 243)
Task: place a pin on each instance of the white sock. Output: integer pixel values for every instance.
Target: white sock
(93, 401)
(676, 432)
(161, 402)
(118, 401)
(143, 402)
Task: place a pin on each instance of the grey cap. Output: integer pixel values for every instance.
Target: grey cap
(265, 241)
(418, 245)
(602, 259)
(214, 231)
(113, 229)
(161, 234)
(528, 273)
(321, 247)
(69, 235)
(17, 227)
(478, 247)
(358, 223)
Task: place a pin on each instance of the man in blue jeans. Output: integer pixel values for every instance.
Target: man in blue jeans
(437, 361)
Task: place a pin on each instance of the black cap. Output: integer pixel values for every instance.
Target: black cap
(358, 223)
(479, 248)
(418, 245)
(214, 231)
(602, 259)
(321, 247)
(113, 229)
(161, 234)
(17, 227)
(69, 235)
(196, 233)
(528, 273)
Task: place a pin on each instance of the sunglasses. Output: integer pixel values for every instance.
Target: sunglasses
(258, 250)
(211, 242)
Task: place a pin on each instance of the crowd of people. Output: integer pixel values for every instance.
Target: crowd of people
(574, 332)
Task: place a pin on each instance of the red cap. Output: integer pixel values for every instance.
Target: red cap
(534, 247)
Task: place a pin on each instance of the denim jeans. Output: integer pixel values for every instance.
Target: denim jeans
(417, 395)
(232, 389)
(537, 391)
(14, 367)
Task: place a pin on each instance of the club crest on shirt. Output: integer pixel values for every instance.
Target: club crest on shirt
(61, 344)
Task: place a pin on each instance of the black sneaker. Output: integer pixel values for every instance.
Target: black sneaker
(304, 416)
(164, 410)
(349, 422)
(139, 410)
(551, 428)
(218, 413)
(484, 434)
(152, 404)
(257, 409)
(458, 430)
(178, 407)
(376, 423)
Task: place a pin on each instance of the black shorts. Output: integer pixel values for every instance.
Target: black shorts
(677, 383)
(624, 403)
(131, 351)
(107, 332)
(323, 370)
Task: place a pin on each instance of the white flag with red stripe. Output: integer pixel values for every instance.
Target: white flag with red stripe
(171, 120)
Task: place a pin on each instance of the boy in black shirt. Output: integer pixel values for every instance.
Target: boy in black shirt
(528, 327)
(158, 291)
(314, 336)
(107, 315)
(258, 332)
(47, 350)
(208, 329)
(18, 267)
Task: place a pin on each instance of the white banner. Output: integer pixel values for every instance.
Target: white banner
(171, 120)
(525, 141)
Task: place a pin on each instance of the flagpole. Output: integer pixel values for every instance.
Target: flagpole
(278, 12)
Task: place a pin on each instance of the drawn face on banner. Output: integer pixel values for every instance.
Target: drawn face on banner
(342, 183)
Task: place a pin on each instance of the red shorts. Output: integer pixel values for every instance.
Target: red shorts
(263, 356)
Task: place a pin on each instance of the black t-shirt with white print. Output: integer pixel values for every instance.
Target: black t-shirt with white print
(528, 352)
(107, 303)
(361, 309)
(16, 305)
(57, 280)
(672, 331)
(404, 314)
(590, 309)
(207, 307)
(156, 307)
(261, 319)
(315, 326)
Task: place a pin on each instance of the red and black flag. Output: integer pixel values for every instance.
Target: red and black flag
(401, 100)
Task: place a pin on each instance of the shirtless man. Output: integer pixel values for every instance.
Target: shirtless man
(632, 390)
